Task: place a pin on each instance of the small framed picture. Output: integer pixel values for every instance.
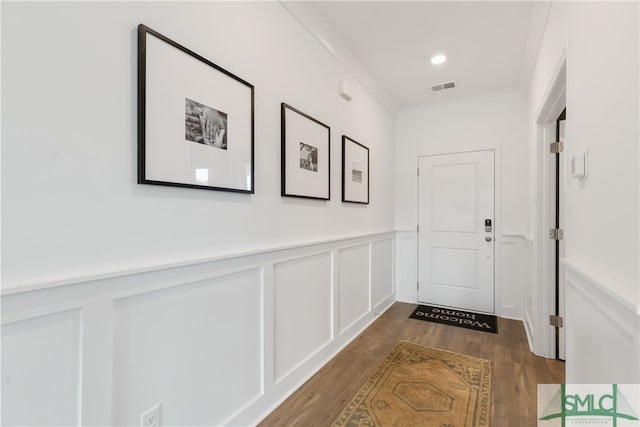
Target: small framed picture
(195, 119)
(306, 155)
(355, 171)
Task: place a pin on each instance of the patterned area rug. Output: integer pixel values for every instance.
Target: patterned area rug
(423, 386)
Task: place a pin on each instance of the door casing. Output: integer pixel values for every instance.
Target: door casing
(553, 102)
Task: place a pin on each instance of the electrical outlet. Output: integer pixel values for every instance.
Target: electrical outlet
(151, 417)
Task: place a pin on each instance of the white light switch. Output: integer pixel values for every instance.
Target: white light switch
(579, 165)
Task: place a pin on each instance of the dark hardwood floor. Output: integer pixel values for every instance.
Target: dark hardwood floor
(516, 371)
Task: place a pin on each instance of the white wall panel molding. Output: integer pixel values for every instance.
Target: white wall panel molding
(406, 266)
(511, 278)
(96, 368)
(580, 276)
(244, 331)
(303, 311)
(187, 346)
(382, 285)
(529, 294)
(41, 378)
(354, 285)
(603, 330)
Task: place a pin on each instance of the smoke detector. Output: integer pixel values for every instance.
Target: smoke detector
(444, 86)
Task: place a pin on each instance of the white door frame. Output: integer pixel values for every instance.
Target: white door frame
(497, 218)
(551, 106)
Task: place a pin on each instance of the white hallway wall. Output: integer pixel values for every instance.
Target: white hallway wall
(71, 201)
(495, 121)
(602, 213)
(135, 291)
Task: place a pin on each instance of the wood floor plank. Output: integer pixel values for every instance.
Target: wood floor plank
(516, 371)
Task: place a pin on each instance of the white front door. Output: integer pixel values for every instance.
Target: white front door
(455, 250)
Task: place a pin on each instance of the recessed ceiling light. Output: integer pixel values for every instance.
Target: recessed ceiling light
(438, 59)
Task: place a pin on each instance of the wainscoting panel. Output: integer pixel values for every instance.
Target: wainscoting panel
(214, 342)
(41, 370)
(382, 268)
(303, 318)
(406, 267)
(512, 277)
(529, 316)
(353, 285)
(181, 338)
(602, 332)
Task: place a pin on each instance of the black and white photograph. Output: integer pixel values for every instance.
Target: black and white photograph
(306, 155)
(205, 125)
(212, 147)
(355, 171)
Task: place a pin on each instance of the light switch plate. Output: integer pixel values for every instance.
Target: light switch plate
(579, 165)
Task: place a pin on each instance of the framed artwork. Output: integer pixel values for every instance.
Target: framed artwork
(355, 171)
(306, 155)
(195, 119)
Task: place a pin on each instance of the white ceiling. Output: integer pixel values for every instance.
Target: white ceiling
(489, 45)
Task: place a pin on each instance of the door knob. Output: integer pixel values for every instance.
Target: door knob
(488, 239)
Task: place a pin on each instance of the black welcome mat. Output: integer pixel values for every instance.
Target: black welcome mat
(455, 317)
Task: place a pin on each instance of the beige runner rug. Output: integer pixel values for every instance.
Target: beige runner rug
(421, 386)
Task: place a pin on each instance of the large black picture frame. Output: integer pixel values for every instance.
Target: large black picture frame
(195, 119)
(305, 155)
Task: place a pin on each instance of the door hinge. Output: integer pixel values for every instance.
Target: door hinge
(418, 172)
(556, 147)
(556, 321)
(418, 228)
(556, 234)
(418, 285)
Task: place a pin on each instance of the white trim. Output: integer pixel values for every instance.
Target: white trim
(555, 96)
(624, 302)
(471, 150)
(515, 235)
(405, 250)
(528, 252)
(145, 269)
(551, 105)
(516, 310)
(464, 102)
(509, 317)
